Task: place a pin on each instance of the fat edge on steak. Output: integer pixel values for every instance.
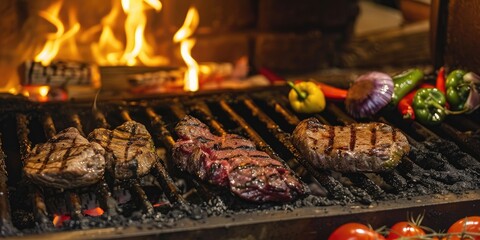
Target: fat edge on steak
(359, 147)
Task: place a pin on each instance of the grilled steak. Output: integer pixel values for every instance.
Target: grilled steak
(67, 161)
(130, 151)
(232, 161)
(362, 147)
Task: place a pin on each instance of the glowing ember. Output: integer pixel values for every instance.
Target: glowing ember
(186, 45)
(58, 219)
(94, 212)
(37, 93)
(160, 204)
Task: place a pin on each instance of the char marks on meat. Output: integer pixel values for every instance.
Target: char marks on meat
(67, 160)
(130, 151)
(360, 147)
(234, 162)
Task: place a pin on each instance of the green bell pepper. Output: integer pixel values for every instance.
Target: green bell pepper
(429, 106)
(457, 90)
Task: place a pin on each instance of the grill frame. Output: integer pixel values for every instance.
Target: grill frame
(320, 219)
(304, 223)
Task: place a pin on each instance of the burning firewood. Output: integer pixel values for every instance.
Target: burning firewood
(59, 73)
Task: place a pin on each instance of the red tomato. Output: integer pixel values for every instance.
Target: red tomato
(465, 225)
(405, 229)
(355, 231)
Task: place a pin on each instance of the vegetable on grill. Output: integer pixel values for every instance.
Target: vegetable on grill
(440, 81)
(463, 91)
(368, 94)
(333, 93)
(404, 83)
(306, 97)
(429, 106)
(405, 105)
(457, 89)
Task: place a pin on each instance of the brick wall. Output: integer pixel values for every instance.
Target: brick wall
(284, 35)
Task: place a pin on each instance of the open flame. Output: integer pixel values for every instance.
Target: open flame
(136, 45)
(118, 39)
(54, 40)
(109, 49)
(186, 45)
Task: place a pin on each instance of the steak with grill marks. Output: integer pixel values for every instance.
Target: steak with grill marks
(232, 161)
(361, 147)
(130, 151)
(67, 160)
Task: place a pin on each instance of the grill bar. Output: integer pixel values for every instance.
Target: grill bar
(470, 144)
(141, 196)
(72, 198)
(74, 203)
(6, 226)
(134, 185)
(291, 118)
(104, 195)
(201, 188)
(254, 136)
(171, 191)
(367, 189)
(39, 207)
(335, 188)
(267, 121)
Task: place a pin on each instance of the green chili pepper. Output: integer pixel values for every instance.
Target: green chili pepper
(405, 82)
(429, 106)
(457, 89)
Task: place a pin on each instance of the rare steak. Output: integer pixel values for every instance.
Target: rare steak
(67, 160)
(360, 147)
(130, 151)
(233, 161)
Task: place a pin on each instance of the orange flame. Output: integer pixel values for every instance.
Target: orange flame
(135, 23)
(54, 40)
(186, 45)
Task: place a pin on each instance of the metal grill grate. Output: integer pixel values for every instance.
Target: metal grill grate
(262, 115)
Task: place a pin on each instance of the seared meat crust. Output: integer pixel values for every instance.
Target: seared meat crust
(233, 161)
(67, 160)
(361, 147)
(130, 151)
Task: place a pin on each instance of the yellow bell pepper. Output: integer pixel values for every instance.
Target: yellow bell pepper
(306, 97)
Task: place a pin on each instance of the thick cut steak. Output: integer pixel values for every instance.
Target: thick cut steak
(67, 160)
(233, 161)
(130, 151)
(361, 147)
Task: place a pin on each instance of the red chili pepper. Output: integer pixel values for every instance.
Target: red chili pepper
(331, 93)
(440, 84)
(271, 76)
(405, 105)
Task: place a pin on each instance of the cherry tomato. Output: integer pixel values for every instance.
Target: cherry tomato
(355, 231)
(466, 225)
(405, 229)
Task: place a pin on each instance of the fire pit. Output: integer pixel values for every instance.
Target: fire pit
(442, 183)
(144, 78)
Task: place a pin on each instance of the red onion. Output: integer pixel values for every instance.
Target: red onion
(473, 100)
(368, 94)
